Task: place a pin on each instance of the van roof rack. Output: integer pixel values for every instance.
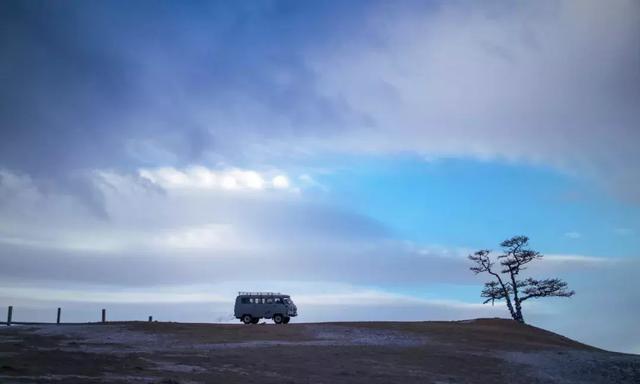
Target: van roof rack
(245, 293)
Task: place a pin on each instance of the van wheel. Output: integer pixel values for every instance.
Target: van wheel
(247, 319)
(255, 320)
(278, 319)
(286, 320)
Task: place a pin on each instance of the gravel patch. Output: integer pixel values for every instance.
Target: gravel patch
(119, 339)
(112, 338)
(108, 378)
(345, 335)
(577, 367)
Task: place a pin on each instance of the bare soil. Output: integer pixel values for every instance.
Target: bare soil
(473, 351)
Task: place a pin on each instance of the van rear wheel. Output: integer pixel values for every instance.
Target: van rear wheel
(278, 318)
(286, 320)
(247, 319)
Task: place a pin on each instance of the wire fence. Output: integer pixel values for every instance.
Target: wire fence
(102, 319)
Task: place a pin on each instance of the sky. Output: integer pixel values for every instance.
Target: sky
(156, 157)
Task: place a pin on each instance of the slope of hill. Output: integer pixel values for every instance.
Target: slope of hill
(473, 351)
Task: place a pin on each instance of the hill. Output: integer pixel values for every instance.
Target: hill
(472, 351)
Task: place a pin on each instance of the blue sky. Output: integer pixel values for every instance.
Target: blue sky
(463, 202)
(160, 156)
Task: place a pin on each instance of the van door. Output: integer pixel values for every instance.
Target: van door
(279, 306)
(267, 311)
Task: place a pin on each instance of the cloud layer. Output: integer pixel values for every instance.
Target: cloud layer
(554, 83)
(178, 249)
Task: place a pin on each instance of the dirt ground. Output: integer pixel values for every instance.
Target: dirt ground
(474, 351)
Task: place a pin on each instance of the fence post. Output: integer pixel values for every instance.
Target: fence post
(58, 317)
(150, 318)
(9, 314)
(104, 315)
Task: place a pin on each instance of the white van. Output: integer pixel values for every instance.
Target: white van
(252, 306)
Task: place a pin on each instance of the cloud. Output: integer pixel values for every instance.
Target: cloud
(182, 257)
(573, 235)
(317, 294)
(549, 83)
(200, 177)
(211, 234)
(546, 83)
(214, 303)
(173, 210)
(202, 237)
(585, 260)
(281, 182)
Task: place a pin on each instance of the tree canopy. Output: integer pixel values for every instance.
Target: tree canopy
(506, 284)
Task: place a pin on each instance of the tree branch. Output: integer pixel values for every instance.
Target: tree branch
(484, 264)
(516, 254)
(545, 288)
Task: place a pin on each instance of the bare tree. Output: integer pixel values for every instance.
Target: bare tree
(506, 285)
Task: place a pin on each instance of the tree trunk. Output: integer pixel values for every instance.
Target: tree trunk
(510, 307)
(516, 299)
(507, 298)
(519, 316)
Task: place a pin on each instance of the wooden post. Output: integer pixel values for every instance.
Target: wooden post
(58, 317)
(9, 314)
(150, 318)
(104, 315)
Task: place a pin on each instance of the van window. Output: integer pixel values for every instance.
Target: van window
(269, 300)
(277, 300)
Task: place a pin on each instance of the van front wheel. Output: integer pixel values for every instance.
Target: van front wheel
(278, 319)
(286, 320)
(246, 319)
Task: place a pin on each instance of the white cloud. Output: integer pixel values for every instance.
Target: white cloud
(280, 182)
(205, 237)
(573, 235)
(169, 210)
(307, 181)
(203, 178)
(229, 182)
(580, 259)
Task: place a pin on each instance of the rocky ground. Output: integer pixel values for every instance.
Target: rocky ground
(475, 351)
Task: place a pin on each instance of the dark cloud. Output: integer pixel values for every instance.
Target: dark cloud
(118, 85)
(83, 81)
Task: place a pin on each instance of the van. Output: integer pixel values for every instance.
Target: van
(252, 306)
